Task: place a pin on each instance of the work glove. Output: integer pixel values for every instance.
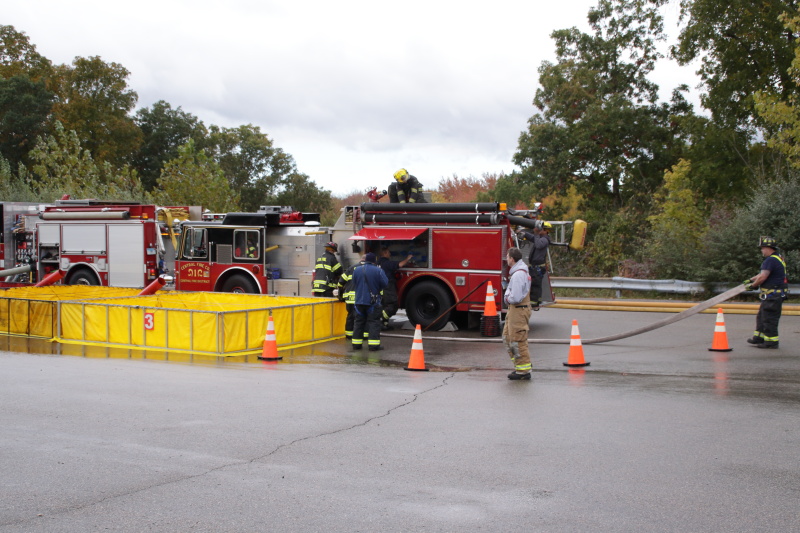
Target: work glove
(748, 285)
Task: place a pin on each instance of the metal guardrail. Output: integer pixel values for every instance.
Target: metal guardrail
(674, 286)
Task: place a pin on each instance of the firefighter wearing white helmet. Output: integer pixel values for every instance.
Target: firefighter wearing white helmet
(405, 189)
(537, 260)
(327, 272)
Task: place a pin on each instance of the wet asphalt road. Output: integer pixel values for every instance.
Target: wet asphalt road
(657, 434)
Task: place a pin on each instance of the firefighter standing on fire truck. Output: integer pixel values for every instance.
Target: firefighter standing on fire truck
(405, 189)
(327, 272)
(774, 288)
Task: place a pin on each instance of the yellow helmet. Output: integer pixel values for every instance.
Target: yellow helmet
(401, 175)
(547, 225)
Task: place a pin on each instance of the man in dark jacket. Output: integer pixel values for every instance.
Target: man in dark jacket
(347, 294)
(405, 189)
(537, 260)
(327, 272)
(389, 300)
(369, 281)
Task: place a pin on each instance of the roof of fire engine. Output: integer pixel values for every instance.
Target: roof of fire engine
(388, 234)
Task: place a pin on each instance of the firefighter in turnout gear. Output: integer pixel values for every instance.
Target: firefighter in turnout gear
(515, 330)
(537, 261)
(327, 272)
(774, 288)
(347, 294)
(369, 281)
(405, 189)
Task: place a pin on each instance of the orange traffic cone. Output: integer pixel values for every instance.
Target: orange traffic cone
(416, 360)
(720, 341)
(270, 350)
(575, 357)
(490, 308)
(490, 321)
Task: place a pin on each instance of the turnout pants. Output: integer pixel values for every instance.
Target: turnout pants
(389, 302)
(515, 337)
(769, 314)
(367, 319)
(537, 276)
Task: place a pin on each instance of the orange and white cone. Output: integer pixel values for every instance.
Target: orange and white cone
(720, 341)
(490, 307)
(575, 358)
(270, 350)
(416, 361)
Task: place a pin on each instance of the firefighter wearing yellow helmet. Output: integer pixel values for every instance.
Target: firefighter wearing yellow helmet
(405, 189)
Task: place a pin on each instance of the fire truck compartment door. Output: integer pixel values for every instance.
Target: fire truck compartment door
(388, 234)
(468, 249)
(125, 255)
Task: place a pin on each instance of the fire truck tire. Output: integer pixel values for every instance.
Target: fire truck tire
(426, 301)
(83, 276)
(240, 284)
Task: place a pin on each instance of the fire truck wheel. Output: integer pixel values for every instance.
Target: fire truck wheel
(239, 284)
(83, 276)
(426, 301)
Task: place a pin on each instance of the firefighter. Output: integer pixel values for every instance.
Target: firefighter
(405, 189)
(389, 299)
(772, 282)
(347, 294)
(252, 249)
(369, 281)
(537, 260)
(327, 272)
(515, 330)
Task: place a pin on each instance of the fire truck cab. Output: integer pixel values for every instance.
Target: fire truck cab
(271, 251)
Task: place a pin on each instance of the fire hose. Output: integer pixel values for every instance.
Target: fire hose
(702, 306)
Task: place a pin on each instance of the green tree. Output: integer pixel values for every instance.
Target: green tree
(61, 166)
(742, 46)
(300, 192)
(598, 124)
(678, 226)
(94, 100)
(780, 111)
(261, 172)
(731, 253)
(24, 111)
(18, 57)
(13, 188)
(193, 178)
(164, 131)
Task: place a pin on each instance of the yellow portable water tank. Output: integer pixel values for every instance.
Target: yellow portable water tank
(578, 235)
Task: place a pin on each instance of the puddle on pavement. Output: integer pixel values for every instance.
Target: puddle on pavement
(328, 353)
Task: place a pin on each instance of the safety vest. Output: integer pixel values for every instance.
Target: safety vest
(776, 291)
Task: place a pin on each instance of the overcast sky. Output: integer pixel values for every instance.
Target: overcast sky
(353, 89)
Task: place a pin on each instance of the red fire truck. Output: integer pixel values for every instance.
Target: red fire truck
(457, 248)
(271, 251)
(91, 242)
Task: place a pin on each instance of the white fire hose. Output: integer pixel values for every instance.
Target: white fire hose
(702, 306)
